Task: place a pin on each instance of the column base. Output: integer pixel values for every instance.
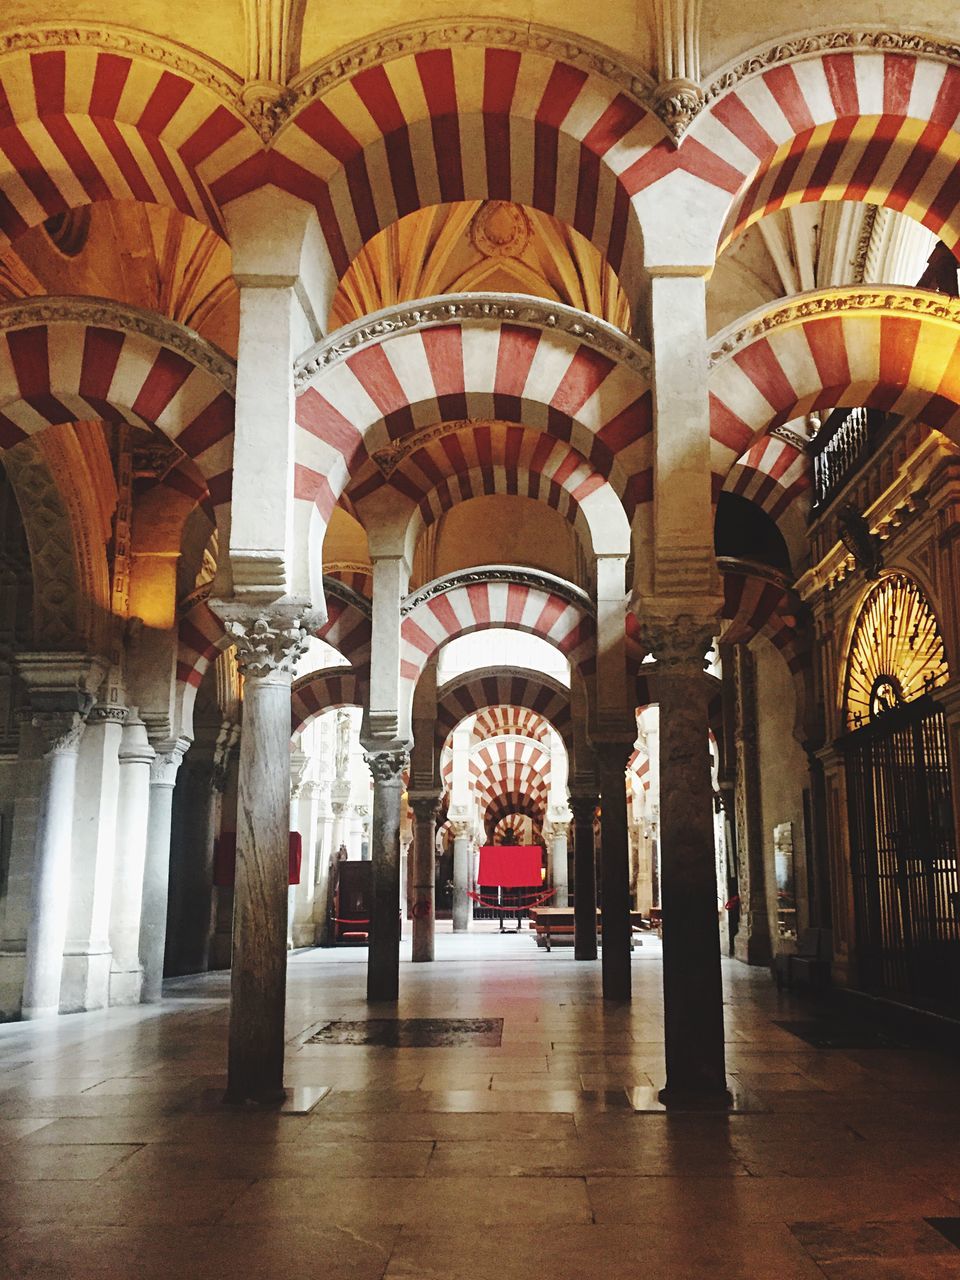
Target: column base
(35, 1015)
(126, 986)
(681, 1099)
(267, 1099)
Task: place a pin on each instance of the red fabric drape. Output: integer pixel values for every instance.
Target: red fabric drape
(512, 866)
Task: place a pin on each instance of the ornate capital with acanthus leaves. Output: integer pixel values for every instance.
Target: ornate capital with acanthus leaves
(269, 640)
(584, 808)
(679, 641)
(61, 731)
(387, 765)
(425, 808)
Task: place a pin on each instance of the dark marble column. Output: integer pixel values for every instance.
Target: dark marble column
(387, 764)
(692, 991)
(615, 863)
(753, 941)
(584, 878)
(268, 645)
(422, 876)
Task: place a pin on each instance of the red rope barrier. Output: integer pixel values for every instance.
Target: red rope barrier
(537, 900)
(337, 920)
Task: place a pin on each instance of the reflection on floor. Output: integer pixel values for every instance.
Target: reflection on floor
(471, 1161)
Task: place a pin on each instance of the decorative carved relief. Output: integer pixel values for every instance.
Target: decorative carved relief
(500, 228)
(679, 641)
(387, 766)
(267, 644)
(492, 307)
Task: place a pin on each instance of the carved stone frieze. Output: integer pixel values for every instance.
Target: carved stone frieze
(914, 302)
(26, 312)
(499, 573)
(814, 43)
(387, 765)
(489, 307)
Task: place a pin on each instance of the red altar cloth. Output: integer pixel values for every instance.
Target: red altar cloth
(512, 866)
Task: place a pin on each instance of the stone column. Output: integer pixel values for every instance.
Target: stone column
(557, 836)
(268, 645)
(753, 942)
(462, 905)
(136, 756)
(304, 930)
(340, 803)
(156, 870)
(387, 764)
(615, 863)
(425, 810)
(49, 899)
(692, 991)
(584, 877)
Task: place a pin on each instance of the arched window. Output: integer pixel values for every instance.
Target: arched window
(896, 654)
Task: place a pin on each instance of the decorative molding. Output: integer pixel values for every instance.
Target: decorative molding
(920, 303)
(388, 765)
(864, 241)
(390, 457)
(492, 308)
(810, 45)
(418, 37)
(27, 312)
(678, 103)
(107, 713)
(499, 573)
(786, 433)
(340, 591)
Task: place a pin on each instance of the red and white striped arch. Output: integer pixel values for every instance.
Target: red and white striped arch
(70, 359)
(322, 690)
(869, 125)
(486, 458)
(442, 614)
(755, 605)
(80, 124)
(464, 123)
(890, 349)
(348, 627)
(499, 721)
(426, 371)
(474, 692)
(776, 475)
(200, 638)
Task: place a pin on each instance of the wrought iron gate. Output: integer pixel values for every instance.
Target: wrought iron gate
(903, 855)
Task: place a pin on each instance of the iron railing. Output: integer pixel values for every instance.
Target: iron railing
(845, 439)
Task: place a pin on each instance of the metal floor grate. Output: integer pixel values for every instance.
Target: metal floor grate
(413, 1033)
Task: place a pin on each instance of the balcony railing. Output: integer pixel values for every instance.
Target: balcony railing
(845, 439)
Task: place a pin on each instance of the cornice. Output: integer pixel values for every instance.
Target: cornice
(25, 312)
(920, 303)
(812, 44)
(491, 308)
(499, 573)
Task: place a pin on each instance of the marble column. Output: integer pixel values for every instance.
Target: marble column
(558, 864)
(615, 864)
(268, 645)
(49, 900)
(462, 905)
(340, 803)
(584, 877)
(425, 810)
(753, 939)
(692, 990)
(387, 764)
(136, 756)
(156, 869)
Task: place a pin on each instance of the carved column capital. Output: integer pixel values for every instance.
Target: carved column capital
(61, 731)
(584, 808)
(387, 764)
(169, 757)
(104, 713)
(269, 641)
(679, 641)
(426, 808)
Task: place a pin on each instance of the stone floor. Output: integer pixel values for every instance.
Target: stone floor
(525, 1160)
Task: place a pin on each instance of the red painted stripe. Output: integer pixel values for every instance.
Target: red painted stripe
(169, 175)
(109, 81)
(631, 424)
(101, 351)
(318, 416)
(561, 92)
(168, 374)
(762, 367)
(31, 171)
(515, 353)
(898, 343)
(585, 373)
(12, 224)
(442, 610)
(375, 91)
(213, 424)
(588, 186)
(7, 119)
(727, 428)
(828, 348)
(942, 206)
(361, 197)
(549, 615)
(478, 596)
(744, 125)
(402, 174)
(500, 70)
(841, 77)
(546, 168)
(49, 73)
(622, 115)
(697, 159)
(444, 351)
(516, 599)
(542, 450)
(165, 101)
(830, 157)
(10, 433)
(910, 178)
(414, 635)
(218, 128)
(124, 159)
(453, 450)
(435, 69)
(785, 87)
(78, 158)
(898, 74)
(318, 122)
(650, 167)
(566, 469)
(496, 144)
(28, 352)
(874, 154)
(946, 108)
(375, 374)
(618, 227)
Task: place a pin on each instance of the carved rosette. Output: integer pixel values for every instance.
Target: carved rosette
(267, 645)
(387, 766)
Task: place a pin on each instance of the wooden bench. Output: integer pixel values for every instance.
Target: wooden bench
(554, 925)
